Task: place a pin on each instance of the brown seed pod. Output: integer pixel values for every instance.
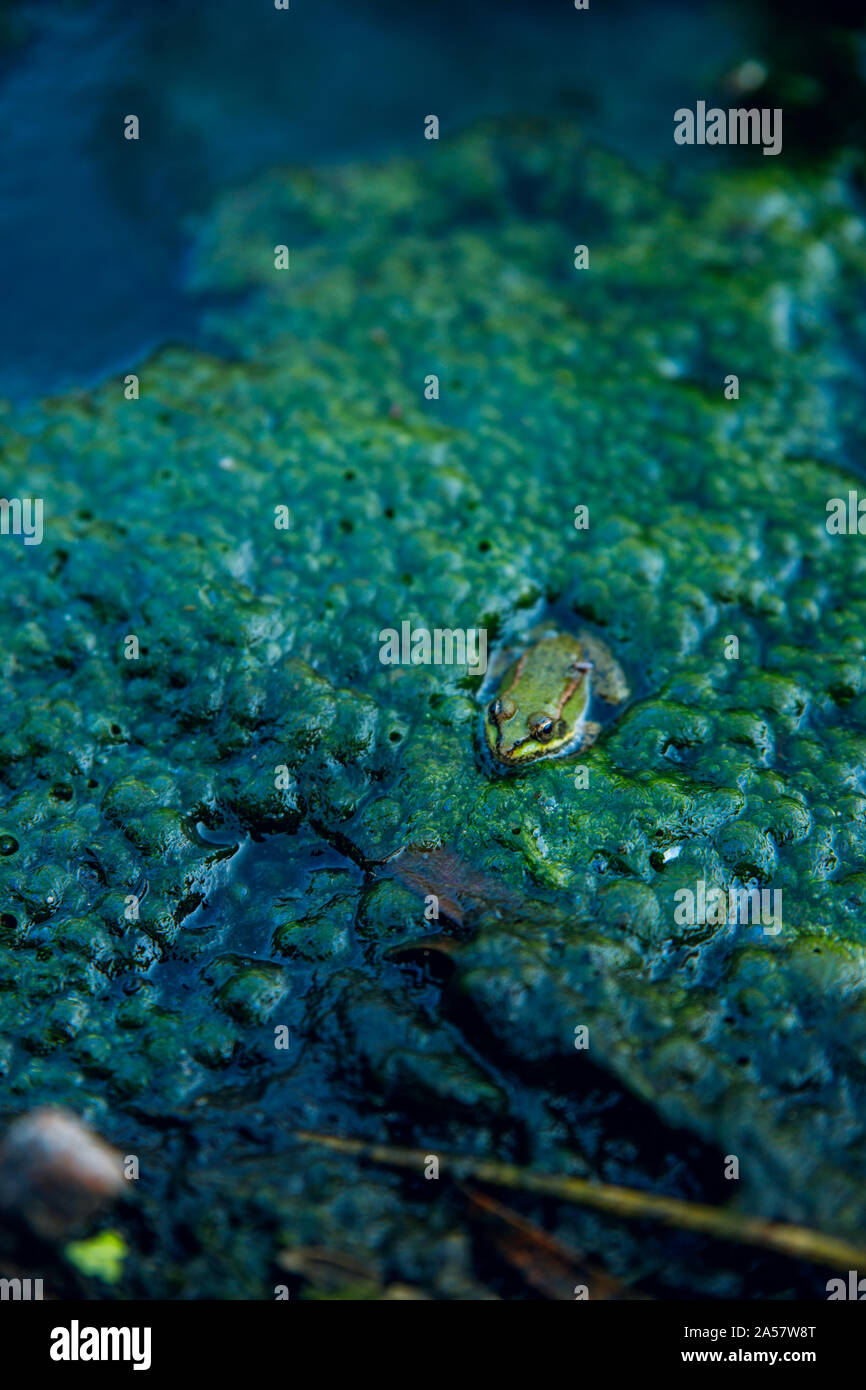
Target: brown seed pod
(55, 1174)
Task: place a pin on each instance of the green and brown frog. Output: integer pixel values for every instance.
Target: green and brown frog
(541, 705)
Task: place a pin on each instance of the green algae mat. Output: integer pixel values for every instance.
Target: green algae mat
(209, 937)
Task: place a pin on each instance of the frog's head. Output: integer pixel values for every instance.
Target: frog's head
(540, 709)
(513, 740)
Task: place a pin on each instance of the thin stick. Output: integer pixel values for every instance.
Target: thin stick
(797, 1241)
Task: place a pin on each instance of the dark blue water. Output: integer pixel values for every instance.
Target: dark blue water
(93, 228)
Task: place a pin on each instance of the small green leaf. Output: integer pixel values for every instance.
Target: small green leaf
(101, 1256)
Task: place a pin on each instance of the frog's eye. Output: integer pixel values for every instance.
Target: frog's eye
(500, 710)
(541, 726)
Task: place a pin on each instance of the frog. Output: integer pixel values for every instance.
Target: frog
(541, 706)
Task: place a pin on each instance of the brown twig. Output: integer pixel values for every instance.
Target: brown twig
(798, 1242)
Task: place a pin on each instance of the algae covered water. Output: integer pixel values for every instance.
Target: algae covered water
(262, 896)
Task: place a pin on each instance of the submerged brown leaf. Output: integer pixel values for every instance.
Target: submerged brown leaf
(547, 1265)
(442, 872)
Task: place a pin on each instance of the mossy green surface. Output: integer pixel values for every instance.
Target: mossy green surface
(259, 650)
